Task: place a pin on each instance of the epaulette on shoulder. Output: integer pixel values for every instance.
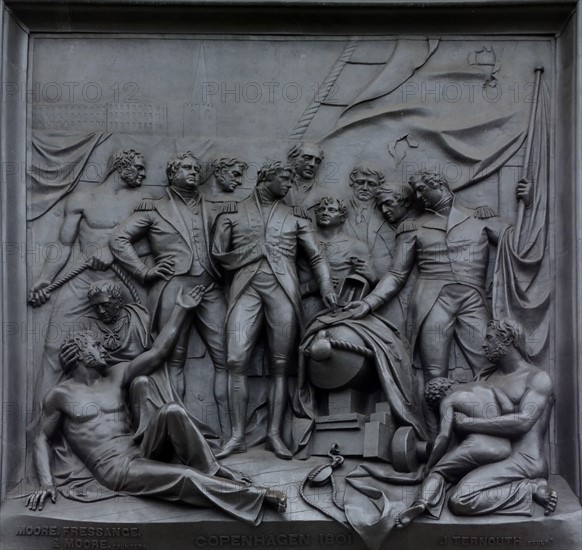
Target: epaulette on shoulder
(484, 212)
(300, 212)
(146, 204)
(230, 207)
(406, 226)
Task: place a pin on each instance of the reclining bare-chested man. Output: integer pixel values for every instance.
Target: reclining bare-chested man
(89, 409)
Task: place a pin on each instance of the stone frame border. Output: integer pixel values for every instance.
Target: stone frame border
(20, 20)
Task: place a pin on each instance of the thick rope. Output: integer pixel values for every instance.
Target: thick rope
(326, 87)
(320, 508)
(124, 277)
(349, 346)
(71, 275)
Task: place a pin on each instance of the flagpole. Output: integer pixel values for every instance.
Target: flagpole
(524, 175)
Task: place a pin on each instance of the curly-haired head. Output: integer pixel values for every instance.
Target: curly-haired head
(270, 169)
(124, 159)
(326, 201)
(436, 390)
(111, 288)
(78, 341)
(432, 179)
(511, 333)
(227, 162)
(129, 163)
(367, 171)
(173, 164)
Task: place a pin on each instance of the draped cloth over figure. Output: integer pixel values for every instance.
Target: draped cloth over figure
(116, 468)
(518, 290)
(125, 341)
(122, 466)
(516, 270)
(74, 481)
(484, 477)
(392, 362)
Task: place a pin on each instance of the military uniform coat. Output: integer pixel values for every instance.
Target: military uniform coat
(448, 249)
(244, 238)
(168, 225)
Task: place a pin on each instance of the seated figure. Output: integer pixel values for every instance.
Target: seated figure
(122, 328)
(502, 419)
(474, 398)
(102, 437)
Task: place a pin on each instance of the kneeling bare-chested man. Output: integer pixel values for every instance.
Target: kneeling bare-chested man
(503, 418)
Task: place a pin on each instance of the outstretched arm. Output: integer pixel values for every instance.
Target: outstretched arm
(319, 265)
(49, 423)
(391, 283)
(150, 360)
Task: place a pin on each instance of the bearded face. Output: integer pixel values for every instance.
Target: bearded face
(496, 354)
(495, 348)
(134, 173)
(94, 355)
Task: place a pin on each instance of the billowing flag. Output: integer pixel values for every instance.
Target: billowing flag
(458, 107)
(519, 291)
(463, 109)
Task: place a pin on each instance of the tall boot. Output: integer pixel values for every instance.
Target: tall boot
(238, 398)
(175, 368)
(221, 400)
(277, 404)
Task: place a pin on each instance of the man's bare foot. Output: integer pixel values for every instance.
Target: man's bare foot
(233, 475)
(405, 517)
(276, 499)
(546, 496)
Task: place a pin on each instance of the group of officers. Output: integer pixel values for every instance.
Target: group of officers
(286, 249)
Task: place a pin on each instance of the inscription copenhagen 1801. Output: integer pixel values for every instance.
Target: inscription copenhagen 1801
(104, 537)
(222, 305)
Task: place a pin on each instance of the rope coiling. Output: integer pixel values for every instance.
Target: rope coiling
(320, 508)
(124, 277)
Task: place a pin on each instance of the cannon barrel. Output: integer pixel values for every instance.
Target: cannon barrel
(339, 359)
